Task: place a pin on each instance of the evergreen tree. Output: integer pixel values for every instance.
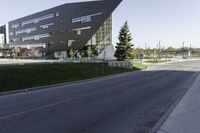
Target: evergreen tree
(124, 47)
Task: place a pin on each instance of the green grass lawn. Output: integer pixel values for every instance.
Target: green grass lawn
(157, 61)
(26, 76)
(139, 66)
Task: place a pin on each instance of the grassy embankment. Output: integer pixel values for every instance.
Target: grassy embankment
(139, 66)
(26, 76)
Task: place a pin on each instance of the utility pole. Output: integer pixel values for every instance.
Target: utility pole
(190, 51)
(145, 49)
(153, 50)
(183, 49)
(156, 53)
(159, 51)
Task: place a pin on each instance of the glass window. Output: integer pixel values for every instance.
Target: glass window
(57, 14)
(27, 22)
(46, 17)
(70, 42)
(27, 38)
(36, 37)
(43, 35)
(14, 39)
(103, 36)
(46, 26)
(51, 43)
(37, 20)
(79, 30)
(85, 19)
(11, 33)
(29, 30)
(76, 20)
(14, 25)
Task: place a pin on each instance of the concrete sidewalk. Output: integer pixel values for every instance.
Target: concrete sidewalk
(185, 118)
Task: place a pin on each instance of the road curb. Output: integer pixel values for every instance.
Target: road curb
(147, 68)
(169, 111)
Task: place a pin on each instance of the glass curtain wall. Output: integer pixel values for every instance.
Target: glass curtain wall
(103, 37)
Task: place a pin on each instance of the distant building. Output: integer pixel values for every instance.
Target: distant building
(3, 34)
(69, 28)
(2, 38)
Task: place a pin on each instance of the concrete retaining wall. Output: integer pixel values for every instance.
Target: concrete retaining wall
(122, 64)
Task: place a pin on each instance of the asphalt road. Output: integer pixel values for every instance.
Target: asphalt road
(126, 103)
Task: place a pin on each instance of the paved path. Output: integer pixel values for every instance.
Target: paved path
(187, 65)
(186, 116)
(124, 103)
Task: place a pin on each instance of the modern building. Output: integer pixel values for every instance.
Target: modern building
(4, 37)
(69, 28)
(3, 34)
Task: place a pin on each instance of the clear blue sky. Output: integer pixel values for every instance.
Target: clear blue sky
(150, 21)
